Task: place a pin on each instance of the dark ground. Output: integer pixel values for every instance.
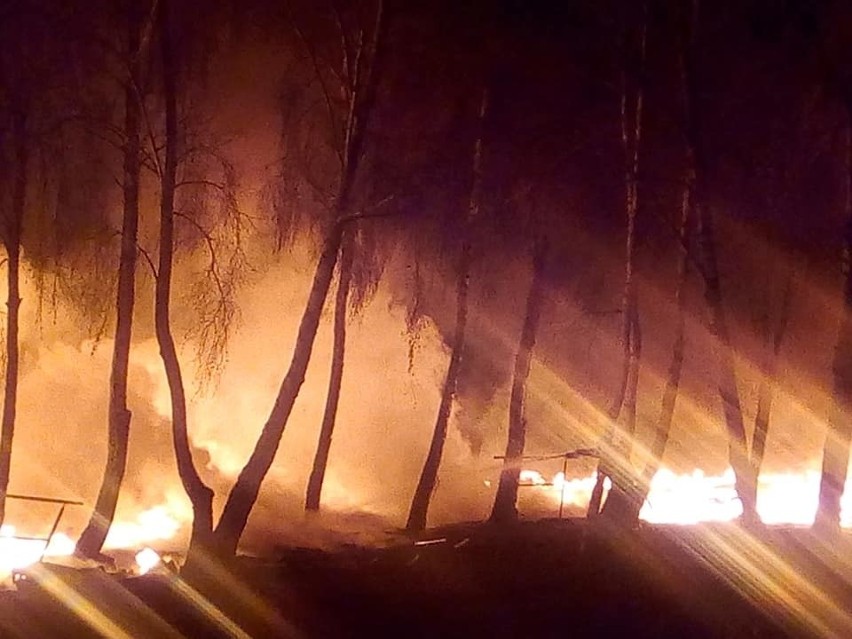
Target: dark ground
(543, 579)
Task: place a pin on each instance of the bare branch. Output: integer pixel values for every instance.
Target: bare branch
(610, 311)
(216, 309)
(213, 269)
(215, 185)
(312, 55)
(361, 215)
(148, 129)
(147, 256)
(345, 47)
(148, 161)
(113, 232)
(354, 100)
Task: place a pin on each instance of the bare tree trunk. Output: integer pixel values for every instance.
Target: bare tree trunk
(621, 502)
(361, 93)
(613, 413)
(244, 492)
(429, 475)
(765, 392)
(12, 241)
(505, 502)
(726, 380)
(92, 539)
(761, 425)
(669, 401)
(615, 457)
(667, 407)
(200, 495)
(312, 497)
(835, 457)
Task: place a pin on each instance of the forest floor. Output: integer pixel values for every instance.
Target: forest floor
(533, 579)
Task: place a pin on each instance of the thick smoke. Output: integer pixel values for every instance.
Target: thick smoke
(387, 411)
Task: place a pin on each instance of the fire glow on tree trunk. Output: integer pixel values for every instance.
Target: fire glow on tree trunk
(670, 394)
(429, 475)
(12, 240)
(505, 502)
(726, 380)
(616, 451)
(314, 491)
(766, 391)
(200, 495)
(244, 493)
(92, 539)
(667, 406)
(359, 89)
(835, 460)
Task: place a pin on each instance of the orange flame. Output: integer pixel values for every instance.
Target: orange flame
(782, 498)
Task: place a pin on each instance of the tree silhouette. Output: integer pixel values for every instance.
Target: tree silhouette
(118, 429)
(429, 475)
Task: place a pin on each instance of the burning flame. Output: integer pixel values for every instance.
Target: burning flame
(18, 553)
(158, 524)
(782, 498)
(147, 559)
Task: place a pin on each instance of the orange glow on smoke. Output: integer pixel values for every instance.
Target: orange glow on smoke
(157, 524)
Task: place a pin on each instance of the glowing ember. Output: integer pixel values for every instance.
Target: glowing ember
(147, 559)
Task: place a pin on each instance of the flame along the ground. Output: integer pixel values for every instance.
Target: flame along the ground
(783, 498)
(17, 553)
(151, 527)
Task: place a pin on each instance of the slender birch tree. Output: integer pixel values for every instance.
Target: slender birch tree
(417, 515)
(616, 451)
(835, 459)
(359, 77)
(726, 380)
(243, 495)
(505, 502)
(118, 428)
